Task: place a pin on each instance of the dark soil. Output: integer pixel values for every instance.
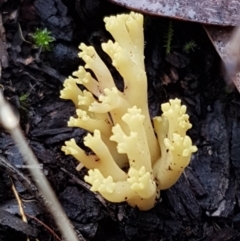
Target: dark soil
(203, 205)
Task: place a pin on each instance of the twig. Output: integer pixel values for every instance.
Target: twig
(85, 186)
(20, 177)
(45, 226)
(21, 211)
(11, 123)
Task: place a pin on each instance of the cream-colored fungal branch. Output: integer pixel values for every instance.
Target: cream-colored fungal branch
(121, 131)
(176, 146)
(85, 78)
(84, 121)
(94, 62)
(71, 91)
(128, 58)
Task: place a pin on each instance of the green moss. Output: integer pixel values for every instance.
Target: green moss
(168, 37)
(43, 39)
(189, 47)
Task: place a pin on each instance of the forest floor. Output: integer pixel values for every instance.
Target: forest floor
(203, 205)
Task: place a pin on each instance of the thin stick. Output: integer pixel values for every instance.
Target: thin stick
(11, 123)
(45, 226)
(24, 218)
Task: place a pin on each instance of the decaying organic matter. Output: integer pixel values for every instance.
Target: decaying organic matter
(204, 203)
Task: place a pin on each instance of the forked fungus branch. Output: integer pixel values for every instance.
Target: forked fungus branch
(155, 155)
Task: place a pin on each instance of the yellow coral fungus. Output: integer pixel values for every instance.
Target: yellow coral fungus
(121, 132)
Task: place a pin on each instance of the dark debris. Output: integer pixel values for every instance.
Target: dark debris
(203, 205)
(8, 220)
(54, 15)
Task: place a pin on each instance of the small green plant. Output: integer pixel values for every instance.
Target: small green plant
(24, 102)
(189, 46)
(168, 37)
(43, 39)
